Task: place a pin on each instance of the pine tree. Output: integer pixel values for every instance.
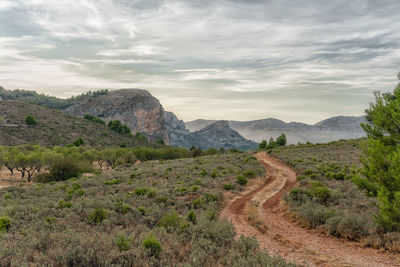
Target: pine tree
(382, 157)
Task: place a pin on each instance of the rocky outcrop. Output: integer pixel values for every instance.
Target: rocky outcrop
(217, 134)
(173, 122)
(136, 108)
(335, 128)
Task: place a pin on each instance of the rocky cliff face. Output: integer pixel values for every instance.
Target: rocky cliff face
(218, 134)
(335, 128)
(136, 108)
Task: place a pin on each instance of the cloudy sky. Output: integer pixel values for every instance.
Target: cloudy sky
(296, 60)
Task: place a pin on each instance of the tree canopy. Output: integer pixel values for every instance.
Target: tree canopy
(381, 172)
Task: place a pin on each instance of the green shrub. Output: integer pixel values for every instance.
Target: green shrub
(122, 207)
(228, 187)
(250, 174)
(30, 120)
(97, 216)
(203, 172)
(94, 119)
(214, 173)
(5, 223)
(191, 217)
(321, 192)
(151, 193)
(152, 245)
(64, 204)
(141, 191)
(142, 210)
(299, 194)
(123, 243)
(79, 142)
(50, 220)
(170, 221)
(112, 182)
(208, 197)
(241, 180)
(64, 168)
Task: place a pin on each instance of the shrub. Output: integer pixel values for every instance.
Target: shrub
(191, 217)
(152, 245)
(112, 182)
(30, 120)
(228, 186)
(299, 194)
(313, 214)
(241, 180)
(214, 173)
(141, 191)
(123, 243)
(63, 168)
(5, 223)
(170, 221)
(142, 210)
(97, 216)
(119, 127)
(321, 192)
(94, 119)
(352, 227)
(122, 207)
(64, 204)
(79, 142)
(250, 174)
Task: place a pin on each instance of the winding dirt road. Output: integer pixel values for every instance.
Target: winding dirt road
(256, 212)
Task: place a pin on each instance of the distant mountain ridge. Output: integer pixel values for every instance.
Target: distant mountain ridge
(217, 134)
(331, 129)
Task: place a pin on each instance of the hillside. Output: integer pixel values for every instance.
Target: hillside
(332, 129)
(156, 213)
(54, 128)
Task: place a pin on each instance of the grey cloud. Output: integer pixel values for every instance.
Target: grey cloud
(293, 59)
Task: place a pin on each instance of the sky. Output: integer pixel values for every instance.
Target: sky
(214, 59)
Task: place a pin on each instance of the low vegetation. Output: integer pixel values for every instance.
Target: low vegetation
(43, 100)
(156, 213)
(327, 197)
(23, 123)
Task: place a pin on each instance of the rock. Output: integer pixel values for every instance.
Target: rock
(173, 122)
(217, 134)
(136, 108)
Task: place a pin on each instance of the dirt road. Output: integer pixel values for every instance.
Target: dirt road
(256, 212)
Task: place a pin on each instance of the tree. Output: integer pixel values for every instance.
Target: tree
(79, 142)
(281, 140)
(381, 172)
(30, 120)
(10, 159)
(263, 144)
(160, 141)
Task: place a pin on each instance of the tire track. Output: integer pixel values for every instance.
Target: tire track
(287, 238)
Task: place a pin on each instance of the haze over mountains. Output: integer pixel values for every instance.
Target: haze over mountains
(335, 128)
(144, 113)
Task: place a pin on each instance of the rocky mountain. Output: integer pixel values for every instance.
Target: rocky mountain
(139, 110)
(335, 128)
(217, 134)
(136, 108)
